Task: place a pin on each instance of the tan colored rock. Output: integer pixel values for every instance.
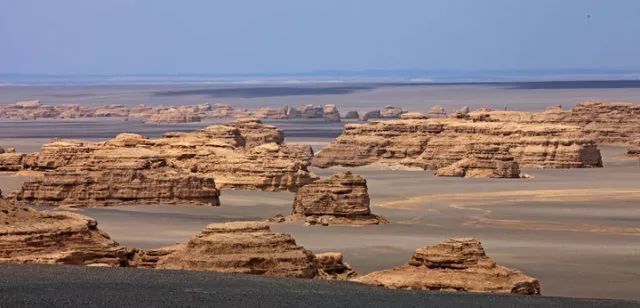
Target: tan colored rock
(174, 115)
(391, 112)
(604, 122)
(54, 237)
(365, 116)
(454, 265)
(483, 161)
(436, 112)
(179, 168)
(432, 144)
(272, 113)
(341, 199)
(332, 267)
(330, 113)
(412, 115)
(242, 247)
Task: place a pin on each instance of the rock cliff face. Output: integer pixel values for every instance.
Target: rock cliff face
(604, 122)
(432, 144)
(178, 168)
(454, 265)
(10, 160)
(242, 247)
(332, 267)
(30, 236)
(173, 115)
(341, 199)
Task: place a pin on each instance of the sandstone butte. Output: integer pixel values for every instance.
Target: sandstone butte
(175, 169)
(58, 237)
(603, 122)
(460, 147)
(342, 199)
(453, 265)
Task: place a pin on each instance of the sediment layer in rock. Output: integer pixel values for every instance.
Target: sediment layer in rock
(432, 144)
(340, 199)
(54, 237)
(178, 168)
(454, 265)
(242, 247)
(603, 122)
(633, 149)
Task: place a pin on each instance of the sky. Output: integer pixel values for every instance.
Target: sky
(288, 36)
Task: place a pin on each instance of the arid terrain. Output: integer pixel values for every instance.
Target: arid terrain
(574, 229)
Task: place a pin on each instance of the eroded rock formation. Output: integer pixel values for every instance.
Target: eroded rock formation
(454, 265)
(633, 149)
(54, 237)
(331, 266)
(604, 122)
(433, 144)
(242, 247)
(340, 199)
(178, 168)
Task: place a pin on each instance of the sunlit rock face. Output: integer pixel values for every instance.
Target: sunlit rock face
(432, 144)
(30, 236)
(454, 265)
(340, 199)
(178, 168)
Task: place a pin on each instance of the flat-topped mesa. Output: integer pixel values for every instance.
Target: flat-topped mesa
(173, 115)
(454, 265)
(340, 199)
(432, 144)
(604, 122)
(179, 168)
(48, 237)
(242, 247)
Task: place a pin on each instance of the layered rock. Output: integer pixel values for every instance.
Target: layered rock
(365, 116)
(30, 236)
(454, 265)
(483, 161)
(604, 122)
(436, 112)
(391, 112)
(10, 160)
(340, 199)
(242, 247)
(330, 113)
(178, 168)
(331, 266)
(432, 144)
(173, 115)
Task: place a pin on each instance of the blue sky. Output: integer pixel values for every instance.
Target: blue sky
(241, 36)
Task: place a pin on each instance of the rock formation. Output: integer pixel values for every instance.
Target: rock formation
(365, 116)
(178, 168)
(331, 113)
(173, 115)
(10, 160)
(352, 114)
(332, 267)
(54, 237)
(341, 199)
(242, 247)
(436, 112)
(604, 122)
(413, 115)
(391, 112)
(432, 144)
(454, 265)
(483, 161)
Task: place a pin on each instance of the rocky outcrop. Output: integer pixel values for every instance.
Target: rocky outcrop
(454, 265)
(179, 168)
(436, 112)
(412, 115)
(432, 144)
(10, 160)
(391, 112)
(341, 199)
(603, 122)
(173, 115)
(365, 116)
(352, 114)
(330, 113)
(54, 237)
(483, 161)
(332, 267)
(242, 247)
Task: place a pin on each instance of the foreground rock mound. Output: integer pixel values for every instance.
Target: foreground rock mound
(341, 199)
(454, 265)
(242, 247)
(178, 168)
(30, 236)
(432, 144)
